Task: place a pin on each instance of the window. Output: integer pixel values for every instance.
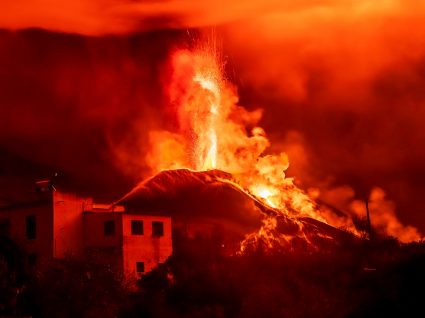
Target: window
(140, 267)
(157, 229)
(109, 228)
(32, 259)
(136, 227)
(31, 227)
(4, 227)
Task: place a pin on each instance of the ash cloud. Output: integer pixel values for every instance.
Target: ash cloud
(341, 83)
(100, 17)
(342, 90)
(72, 103)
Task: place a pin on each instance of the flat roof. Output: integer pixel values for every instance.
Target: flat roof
(103, 208)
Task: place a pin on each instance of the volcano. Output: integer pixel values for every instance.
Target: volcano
(214, 197)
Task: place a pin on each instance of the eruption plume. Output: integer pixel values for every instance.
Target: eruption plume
(214, 132)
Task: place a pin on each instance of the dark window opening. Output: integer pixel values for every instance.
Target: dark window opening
(157, 229)
(5, 227)
(136, 227)
(140, 267)
(31, 227)
(32, 259)
(109, 227)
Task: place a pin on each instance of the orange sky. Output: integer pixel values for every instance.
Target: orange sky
(341, 83)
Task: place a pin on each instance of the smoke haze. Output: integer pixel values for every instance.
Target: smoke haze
(341, 84)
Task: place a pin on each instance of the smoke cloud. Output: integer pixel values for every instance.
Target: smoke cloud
(342, 90)
(76, 104)
(102, 17)
(341, 84)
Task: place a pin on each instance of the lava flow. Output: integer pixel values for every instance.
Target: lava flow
(215, 133)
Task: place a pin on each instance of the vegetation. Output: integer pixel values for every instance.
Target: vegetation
(367, 279)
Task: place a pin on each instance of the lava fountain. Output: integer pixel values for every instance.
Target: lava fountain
(214, 132)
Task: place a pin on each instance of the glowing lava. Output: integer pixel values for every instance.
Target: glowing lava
(207, 147)
(216, 133)
(217, 136)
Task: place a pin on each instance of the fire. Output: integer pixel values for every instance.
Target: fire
(264, 193)
(207, 147)
(217, 128)
(196, 92)
(214, 132)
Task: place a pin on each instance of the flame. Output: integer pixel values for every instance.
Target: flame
(216, 133)
(196, 92)
(207, 147)
(216, 127)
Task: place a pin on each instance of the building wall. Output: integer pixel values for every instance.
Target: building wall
(196, 229)
(94, 236)
(42, 245)
(145, 248)
(67, 225)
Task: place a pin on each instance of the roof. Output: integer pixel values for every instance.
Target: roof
(90, 207)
